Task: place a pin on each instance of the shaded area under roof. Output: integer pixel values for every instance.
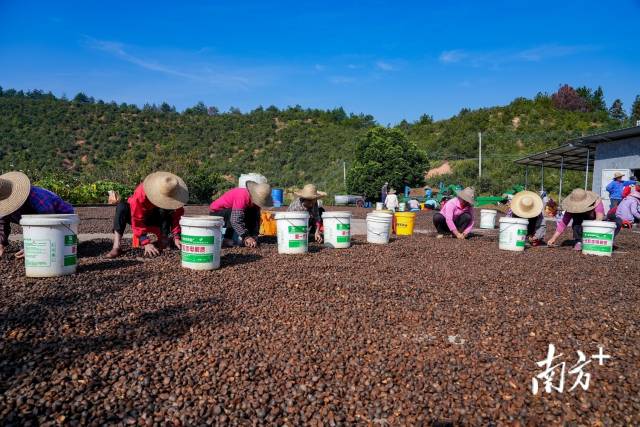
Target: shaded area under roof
(570, 156)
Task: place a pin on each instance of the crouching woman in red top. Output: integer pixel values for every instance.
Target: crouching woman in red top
(156, 206)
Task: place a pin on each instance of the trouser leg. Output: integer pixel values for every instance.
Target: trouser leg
(462, 222)
(226, 214)
(122, 217)
(577, 228)
(440, 222)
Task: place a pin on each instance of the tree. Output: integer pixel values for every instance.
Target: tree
(81, 98)
(166, 108)
(199, 109)
(566, 98)
(385, 155)
(213, 111)
(635, 111)
(617, 111)
(597, 101)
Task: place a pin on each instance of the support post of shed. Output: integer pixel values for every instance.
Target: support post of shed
(586, 174)
(561, 175)
(542, 177)
(526, 176)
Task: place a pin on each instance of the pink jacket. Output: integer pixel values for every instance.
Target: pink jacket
(452, 210)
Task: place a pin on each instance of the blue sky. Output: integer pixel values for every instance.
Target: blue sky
(393, 60)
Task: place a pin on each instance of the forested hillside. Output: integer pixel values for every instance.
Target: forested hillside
(88, 140)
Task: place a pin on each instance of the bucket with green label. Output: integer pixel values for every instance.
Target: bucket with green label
(597, 237)
(337, 229)
(293, 228)
(201, 242)
(513, 234)
(50, 244)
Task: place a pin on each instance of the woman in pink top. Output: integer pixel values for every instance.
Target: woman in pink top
(240, 208)
(456, 217)
(581, 205)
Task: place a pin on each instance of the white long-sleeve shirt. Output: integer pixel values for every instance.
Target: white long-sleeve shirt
(391, 202)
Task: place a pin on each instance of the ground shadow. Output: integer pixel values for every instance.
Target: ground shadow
(94, 248)
(231, 259)
(268, 240)
(107, 265)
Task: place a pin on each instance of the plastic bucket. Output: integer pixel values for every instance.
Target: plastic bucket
(50, 244)
(488, 218)
(385, 213)
(379, 206)
(379, 228)
(278, 197)
(255, 177)
(337, 229)
(201, 240)
(404, 223)
(402, 207)
(267, 224)
(597, 237)
(293, 229)
(513, 233)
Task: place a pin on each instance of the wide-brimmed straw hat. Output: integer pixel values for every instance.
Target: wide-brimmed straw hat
(468, 195)
(310, 192)
(166, 190)
(392, 191)
(618, 175)
(260, 194)
(14, 191)
(580, 201)
(526, 204)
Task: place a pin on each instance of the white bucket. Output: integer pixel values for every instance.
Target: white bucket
(379, 206)
(201, 241)
(402, 207)
(337, 229)
(488, 218)
(293, 229)
(513, 234)
(597, 237)
(379, 228)
(255, 177)
(50, 244)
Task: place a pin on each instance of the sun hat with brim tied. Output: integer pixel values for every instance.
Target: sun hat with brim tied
(468, 195)
(14, 191)
(166, 190)
(310, 192)
(580, 201)
(618, 175)
(260, 194)
(526, 204)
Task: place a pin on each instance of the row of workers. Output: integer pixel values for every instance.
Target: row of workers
(155, 207)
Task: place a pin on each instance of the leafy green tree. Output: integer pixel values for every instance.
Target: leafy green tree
(597, 101)
(617, 111)
(635, 110)
(385, 155)
(81, 98)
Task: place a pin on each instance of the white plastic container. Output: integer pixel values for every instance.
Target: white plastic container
(337, 229)
(379, 228)
(201, 241)
(255, 177)
(379, 206)
(293, 232)
(402, 207)
(597, 237)
(50, 244)
(513, 234)
(488, 218)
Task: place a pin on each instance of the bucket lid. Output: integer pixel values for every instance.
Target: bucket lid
(520, 221)
(604, 224)
(49, 220)
(491, 211)
(292, 215)
(405, 214)
(202, 221)
(336, 214)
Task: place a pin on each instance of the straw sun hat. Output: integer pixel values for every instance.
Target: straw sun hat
(526, 204)
(260, 194)
(392, 191)
(166, 190)
(580, 201)
(618, 175)
(14, 191)
(310, 192)
(468, 195)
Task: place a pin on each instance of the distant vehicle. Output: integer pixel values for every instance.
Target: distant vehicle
(344, 200)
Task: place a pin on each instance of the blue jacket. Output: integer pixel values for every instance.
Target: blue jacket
(615, 188)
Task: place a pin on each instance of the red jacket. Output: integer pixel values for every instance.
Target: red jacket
(140, 208)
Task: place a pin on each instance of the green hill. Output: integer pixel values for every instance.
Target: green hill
(89, 140)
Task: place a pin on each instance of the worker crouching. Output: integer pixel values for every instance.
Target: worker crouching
(307, 201)
(581, 205)
(528, 205)
(456, 216)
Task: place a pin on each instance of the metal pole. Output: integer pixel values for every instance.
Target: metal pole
(586, 174)
(344, 174)
(479, 154)
(561, 174)
(542, 177)
(526, 176)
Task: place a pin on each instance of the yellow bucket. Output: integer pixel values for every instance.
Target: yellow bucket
(268, 224)
(404, 223)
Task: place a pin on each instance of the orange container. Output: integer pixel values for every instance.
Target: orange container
(268, 224)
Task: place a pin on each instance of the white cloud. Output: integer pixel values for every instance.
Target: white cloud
(494, 58)
(449, 56)
(385, 66)
(341, 80)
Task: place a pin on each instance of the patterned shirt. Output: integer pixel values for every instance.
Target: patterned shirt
(239, 201)
(40, 201)
(141, 208)
(314, 212)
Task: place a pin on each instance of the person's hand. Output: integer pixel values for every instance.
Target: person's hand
(150, 250)
(250, 242)
(461, 236)
(176, 241)
(20, 254)
(318, 237)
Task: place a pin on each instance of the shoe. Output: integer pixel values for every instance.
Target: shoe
(536, 242)
(577, 246)
(439, 236)
(114, 253)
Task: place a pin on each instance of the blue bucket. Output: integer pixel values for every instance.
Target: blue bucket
(278, 197)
